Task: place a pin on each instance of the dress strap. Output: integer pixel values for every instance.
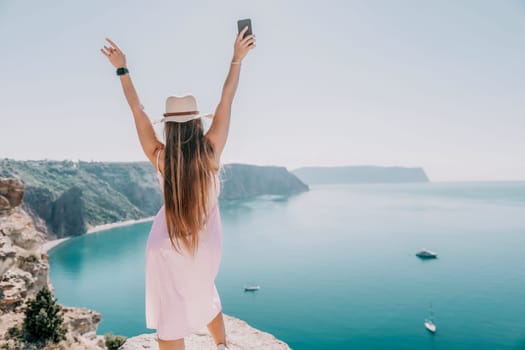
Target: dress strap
(158, 154)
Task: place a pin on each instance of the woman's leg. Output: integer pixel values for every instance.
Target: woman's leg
(177, 344)
(217, 331)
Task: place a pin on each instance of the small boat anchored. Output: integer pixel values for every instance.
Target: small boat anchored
(430, 326)
(426, 254)
(429, 322)
(251, 288)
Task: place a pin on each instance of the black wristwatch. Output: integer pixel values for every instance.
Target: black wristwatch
(122, 71)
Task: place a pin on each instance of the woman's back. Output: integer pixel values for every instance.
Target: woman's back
(215, 188)
(183, 284)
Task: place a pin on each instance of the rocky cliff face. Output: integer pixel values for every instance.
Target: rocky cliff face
(11, 194)
(68, 197)
(68, 213)
(24, 271)
(241, 181)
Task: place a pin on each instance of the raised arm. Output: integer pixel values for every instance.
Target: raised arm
(147, 137)
(218, 132)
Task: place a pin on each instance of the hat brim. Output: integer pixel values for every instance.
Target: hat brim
(184, 118)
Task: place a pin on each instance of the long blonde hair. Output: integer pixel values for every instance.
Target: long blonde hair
(189, 173)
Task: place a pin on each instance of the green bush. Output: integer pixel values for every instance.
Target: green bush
(114, 342)
(43, 320)
(32, 258)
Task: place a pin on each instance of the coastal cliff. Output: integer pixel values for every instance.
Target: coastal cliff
(24, 271)
(66, 198)
(24, 268)
(243, 181)
(69, 197)
(359, 174)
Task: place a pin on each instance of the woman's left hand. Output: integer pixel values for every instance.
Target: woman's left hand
(242, 46)
(114, 54)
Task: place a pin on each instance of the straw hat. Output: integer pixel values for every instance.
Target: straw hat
(181, 109)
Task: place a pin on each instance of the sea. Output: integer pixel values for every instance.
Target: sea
(337, 268)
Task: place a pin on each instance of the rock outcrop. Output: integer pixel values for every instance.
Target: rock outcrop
(11, 194)
(242, 181)
(24, 271)
(68, 213)
(241, 336)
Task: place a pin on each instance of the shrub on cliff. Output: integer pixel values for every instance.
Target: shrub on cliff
(31, 258)
(43, 320)
(114, 342)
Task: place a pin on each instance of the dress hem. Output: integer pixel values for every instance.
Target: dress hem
(189, 333)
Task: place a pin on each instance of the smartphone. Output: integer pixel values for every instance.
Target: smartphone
(243, 23)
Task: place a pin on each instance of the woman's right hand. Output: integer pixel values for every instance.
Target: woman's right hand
(242, 46)
(114, 54)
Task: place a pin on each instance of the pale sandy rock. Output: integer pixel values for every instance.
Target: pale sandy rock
(80, 320)
(22, 280)
(11, 194)
(7, 254)
(240, 336)
(38, 267)
(84, 342)
(19, 228)
(8, 320)
(14, 288)
(5, 206)
(39, 223)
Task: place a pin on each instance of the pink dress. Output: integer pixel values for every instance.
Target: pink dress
(180, 293)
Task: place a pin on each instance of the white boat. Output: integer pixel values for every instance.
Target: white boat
(252, 288)
(429, 322)
(426, 254)
(430, 326)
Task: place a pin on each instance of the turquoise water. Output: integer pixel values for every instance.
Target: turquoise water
(337, 268)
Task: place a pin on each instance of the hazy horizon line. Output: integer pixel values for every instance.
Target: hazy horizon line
(271, 165)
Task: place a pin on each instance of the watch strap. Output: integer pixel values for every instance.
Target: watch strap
(122, 71)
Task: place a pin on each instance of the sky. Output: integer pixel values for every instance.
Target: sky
(432, 84)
